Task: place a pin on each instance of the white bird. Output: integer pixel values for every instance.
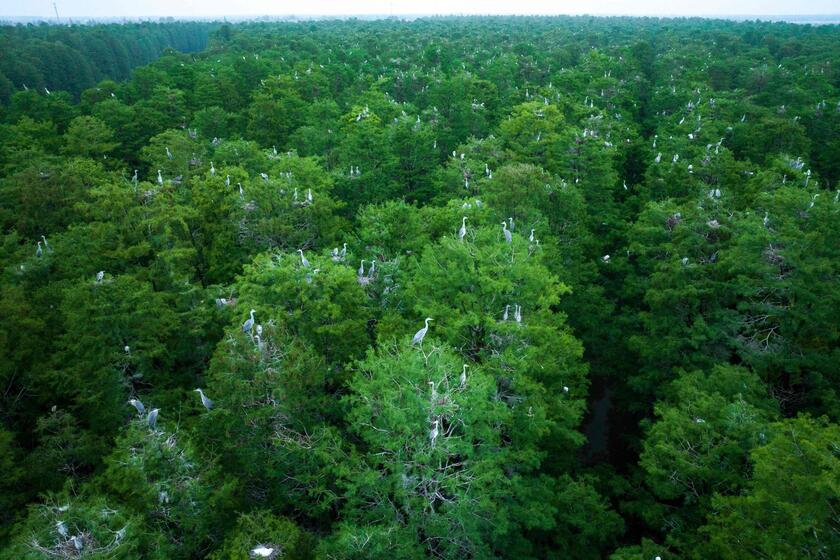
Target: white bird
(39, 251)
(433, 433)
(361, 271)
(463, 231)
(421, 334)
(372, 268)
(510, 220)
(343, 251)
(212, 170)
(303, 260)
(517, 313)
(78, 542)
(309, 196)
(159, 178)
(605, 258)
(508, 236)
(100, 276)
(249, 323)
(531, 238)
(168, 153)
(766, 219)
(505, 315)
(463, 379)
(208, 404)
(138, 405)
(261, 551)
(658, 157)
(151, 420)
(61, 528)
(684, 261)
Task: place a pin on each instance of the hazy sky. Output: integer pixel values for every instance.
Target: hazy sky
(140, 8)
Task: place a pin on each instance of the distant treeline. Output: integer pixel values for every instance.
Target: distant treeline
(72, 58)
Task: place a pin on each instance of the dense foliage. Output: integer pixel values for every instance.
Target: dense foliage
(619, 237)
(73, 58)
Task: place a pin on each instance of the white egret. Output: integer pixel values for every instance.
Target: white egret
(208, 404)
(261, 551)
(433, 433)
(303, 261)
(151, 420)
(463, 379)
(508, 236)
(463, 231)
(421, 334)
(249, 323)
(61, 528)
(138, 405)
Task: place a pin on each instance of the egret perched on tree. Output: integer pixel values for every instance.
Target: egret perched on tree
(168, 153)
(517, 314)
(343, 252)
(39, 251)
(505, 314)
(433, 433)
(766, 219)
(463, 379)
(100, 276)
(421, 334)
(78, 543)
(208, 404)
(46, 244)
(61, 528)
(151, 420)
(361, 271)
(249, 323)
(463, 231)
(141, 410)
(531, 237)
(372, 268)
(212, 170)
(510, 221)
(159, 178)
(508, 236)
(303, 261)
(605, 258)
(261, 551)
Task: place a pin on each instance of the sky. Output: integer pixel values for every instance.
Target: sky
(205, 8)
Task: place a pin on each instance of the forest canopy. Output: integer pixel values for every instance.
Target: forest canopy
(508, 287)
